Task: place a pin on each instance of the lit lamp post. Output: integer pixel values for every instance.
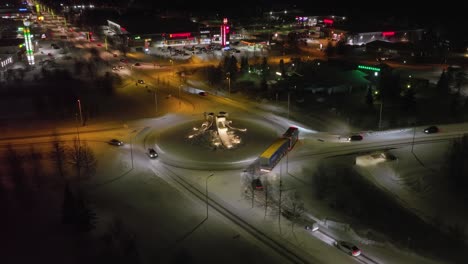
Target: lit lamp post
(206, 193)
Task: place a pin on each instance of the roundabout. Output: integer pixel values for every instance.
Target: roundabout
(177, 148)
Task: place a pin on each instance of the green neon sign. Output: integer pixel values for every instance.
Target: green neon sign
(363, 67)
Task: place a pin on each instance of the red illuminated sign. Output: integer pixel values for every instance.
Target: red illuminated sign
(388, 33)
(328, 21)
(180, 35)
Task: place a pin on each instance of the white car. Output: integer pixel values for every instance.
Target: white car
(348, 248)
(312, 228)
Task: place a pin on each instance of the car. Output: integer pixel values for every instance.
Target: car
(141, 82)
(348, 248)
(114, 68)
(115, 142)
(137, 64)
(121, 67)
(257, 184)
(202, 93)
(313, 227)
(431, 130)
(152, 153)
(124, 60)
(355, 138)
(115, 55)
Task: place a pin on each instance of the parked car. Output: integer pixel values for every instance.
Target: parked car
(355, 138)
(313, 227)
(431, 130)
(348, 248)
(152, 153)
(141, 82)
(257, 184)
(115, 142)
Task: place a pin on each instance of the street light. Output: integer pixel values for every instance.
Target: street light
(81, 115)
(206, 192)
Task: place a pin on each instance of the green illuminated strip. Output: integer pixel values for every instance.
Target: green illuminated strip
(368, 68)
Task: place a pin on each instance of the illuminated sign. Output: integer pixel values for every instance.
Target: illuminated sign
(180, 35)
(363, 67)
(388, 33)
(328, 21)
(204, 32)
(137, 37)
(23, 9)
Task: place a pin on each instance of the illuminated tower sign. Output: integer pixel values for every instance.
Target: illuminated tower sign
(224, 33)
(28, 43)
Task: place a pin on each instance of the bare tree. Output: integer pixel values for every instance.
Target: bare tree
(74, 154)
(82, 158)
(89, 160)
(58, 155)
(294, 207)
(249, 186)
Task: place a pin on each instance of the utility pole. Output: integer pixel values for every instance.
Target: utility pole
(81, 114)
(380, 115)
(155, 100)
(288, 104)
(279, 201)
(229, 82)
(131, 146)
(414, 134)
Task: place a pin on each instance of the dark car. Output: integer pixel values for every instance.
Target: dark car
(355, 138)
(115, 142)
(348, 248)
(137, 64)
(141, 82)
(431, 129)
(257, 184)
(152, 153)
(124, 60)
(202, 93)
